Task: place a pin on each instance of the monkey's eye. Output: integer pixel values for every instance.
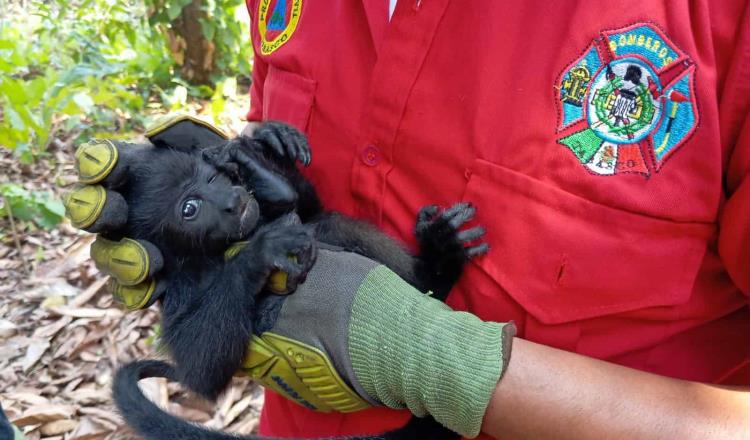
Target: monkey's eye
(190, 208)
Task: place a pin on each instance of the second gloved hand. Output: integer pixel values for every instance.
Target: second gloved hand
(373, 332)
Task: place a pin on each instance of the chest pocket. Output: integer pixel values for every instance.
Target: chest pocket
(288, 97)
(564, 258)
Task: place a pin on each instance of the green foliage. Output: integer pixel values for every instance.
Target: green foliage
(64, 60)
(225, 26)
(91, 67)
(40, 207)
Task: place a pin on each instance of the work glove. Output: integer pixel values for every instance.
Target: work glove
(354, 334)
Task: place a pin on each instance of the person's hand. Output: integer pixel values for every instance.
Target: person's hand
(95, 205)
(355, 334)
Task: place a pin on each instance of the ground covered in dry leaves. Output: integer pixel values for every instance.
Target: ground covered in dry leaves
(62, 336)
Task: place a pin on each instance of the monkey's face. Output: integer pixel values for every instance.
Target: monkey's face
(210, 206)
(183, 203)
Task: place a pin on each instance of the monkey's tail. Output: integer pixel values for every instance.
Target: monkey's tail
(153, 423)
(145, 417)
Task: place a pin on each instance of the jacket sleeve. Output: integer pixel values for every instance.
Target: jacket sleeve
(260, 68)
(734, 219)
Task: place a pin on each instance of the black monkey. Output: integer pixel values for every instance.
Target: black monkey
(240, 190)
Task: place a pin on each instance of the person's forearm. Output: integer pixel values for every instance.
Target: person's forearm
(549, 393)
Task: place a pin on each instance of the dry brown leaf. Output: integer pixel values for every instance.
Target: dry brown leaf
(88, 312)
(58, 427)
(27, 397)
(46, 288)
(89, 430)
(111, 416)
(155, 389)
(89, 293)
(247, 425)
(191, 414)
(87, 396)
(44, 413)
(7, 329)
(88, 356)
(237, 409)
(76, 255)
(51, 330)
(53, 301)
(34, 352)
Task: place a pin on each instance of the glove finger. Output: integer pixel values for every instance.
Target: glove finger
(95, 209)
(105, 162)
(128, 261)
(139, 296)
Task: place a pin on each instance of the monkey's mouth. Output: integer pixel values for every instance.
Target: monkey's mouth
(249, 217)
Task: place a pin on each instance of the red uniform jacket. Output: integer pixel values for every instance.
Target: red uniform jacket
(606, 146)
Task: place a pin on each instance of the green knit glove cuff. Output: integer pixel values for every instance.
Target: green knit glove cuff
(409, 350)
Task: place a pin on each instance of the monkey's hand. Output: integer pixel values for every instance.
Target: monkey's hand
(287, 248)
(444, 247)
(284, 141)
(356, 334)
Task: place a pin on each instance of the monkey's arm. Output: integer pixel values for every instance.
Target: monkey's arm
(208, 321)
(277, 183)
(206, 325)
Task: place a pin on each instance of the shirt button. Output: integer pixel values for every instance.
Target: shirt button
(371, 155)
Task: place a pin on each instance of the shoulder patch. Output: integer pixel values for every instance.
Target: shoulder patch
(627, 103)
(277, 21)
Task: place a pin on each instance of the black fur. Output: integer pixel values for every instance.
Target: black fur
(209, 306)
(6, 430)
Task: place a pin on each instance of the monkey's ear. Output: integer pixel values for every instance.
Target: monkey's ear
(185, 133)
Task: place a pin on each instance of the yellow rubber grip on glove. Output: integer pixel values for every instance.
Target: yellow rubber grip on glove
(301, 373)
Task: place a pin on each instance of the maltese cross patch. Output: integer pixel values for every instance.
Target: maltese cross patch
(627, 104)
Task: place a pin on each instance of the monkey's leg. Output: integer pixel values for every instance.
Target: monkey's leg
(444, 248)
(365, 239)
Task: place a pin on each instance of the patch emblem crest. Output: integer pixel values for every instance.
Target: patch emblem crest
(277, 21)
(627, 103)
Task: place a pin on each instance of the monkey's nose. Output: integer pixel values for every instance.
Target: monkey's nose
(233, 203)
(237, 201)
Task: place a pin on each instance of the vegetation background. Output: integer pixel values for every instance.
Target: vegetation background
(71, 71)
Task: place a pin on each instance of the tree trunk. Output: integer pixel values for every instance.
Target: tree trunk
(196, 52)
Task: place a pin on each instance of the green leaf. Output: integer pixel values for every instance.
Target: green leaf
(83, 101)
(208, 29)
(15, 120)
(173, 10)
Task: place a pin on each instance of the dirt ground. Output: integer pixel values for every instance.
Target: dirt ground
(62, 336)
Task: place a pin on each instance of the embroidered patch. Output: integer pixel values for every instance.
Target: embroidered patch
(628, 102)
(277, 21)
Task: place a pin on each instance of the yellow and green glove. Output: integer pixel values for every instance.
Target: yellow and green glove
(355, 334)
